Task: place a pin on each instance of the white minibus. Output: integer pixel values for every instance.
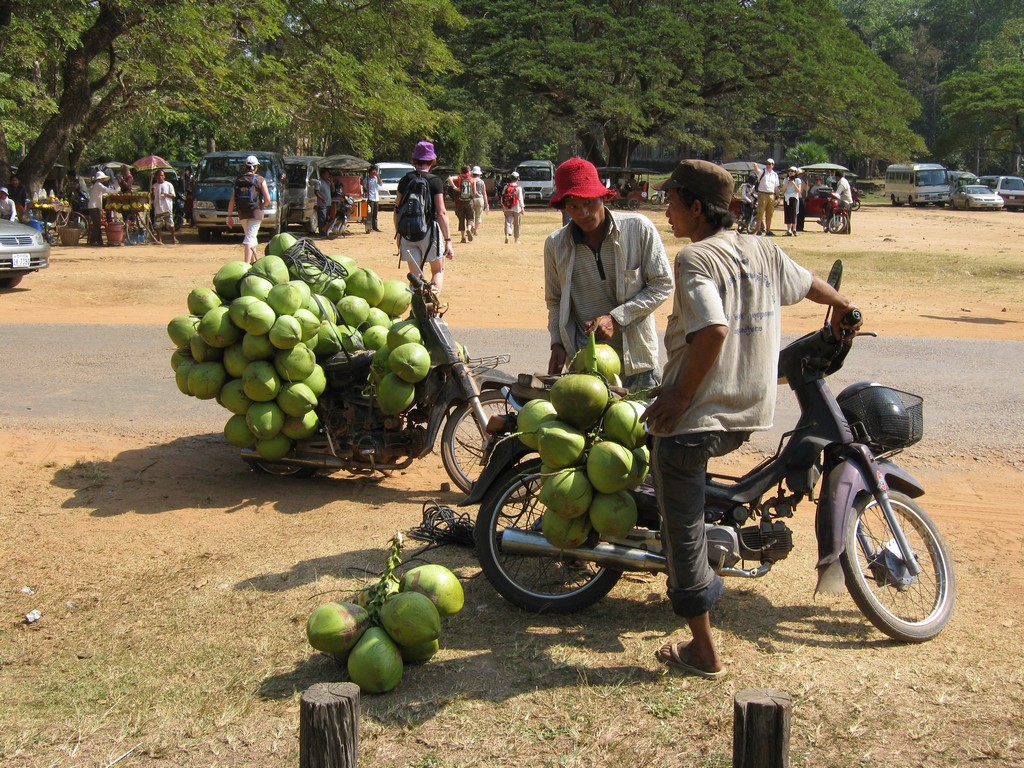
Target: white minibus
(917, 184)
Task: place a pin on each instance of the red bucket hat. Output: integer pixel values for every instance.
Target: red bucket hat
(578, 177)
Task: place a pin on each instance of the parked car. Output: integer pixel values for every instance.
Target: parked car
(1010, 188)
(390, 175)
(303, 175)
(975, 196)
(215, 181)
(22, 250)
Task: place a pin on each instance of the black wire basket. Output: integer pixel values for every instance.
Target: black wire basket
(884, 418)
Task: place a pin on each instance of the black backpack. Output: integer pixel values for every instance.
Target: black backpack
(416, 212)
(248, 195)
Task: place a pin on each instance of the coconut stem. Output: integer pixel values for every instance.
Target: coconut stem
(380, 589)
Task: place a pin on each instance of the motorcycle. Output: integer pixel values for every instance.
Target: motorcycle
(747, 220)
(338, 224)
(456, 400)
(835, 217)
(872, 535)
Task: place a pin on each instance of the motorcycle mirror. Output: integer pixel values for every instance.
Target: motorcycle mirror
(835, 275)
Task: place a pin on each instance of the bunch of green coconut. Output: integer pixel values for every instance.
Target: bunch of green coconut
(592, 450)
(390, 623)
(254, 342)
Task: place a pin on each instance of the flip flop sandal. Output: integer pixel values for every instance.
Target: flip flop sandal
(668, 655)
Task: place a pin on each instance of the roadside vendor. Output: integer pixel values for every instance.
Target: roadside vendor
(97, 192)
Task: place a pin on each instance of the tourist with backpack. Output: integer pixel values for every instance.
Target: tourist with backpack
(479, 200)
(463, 192)
(248, 196)
(421, 219)
(513, 205)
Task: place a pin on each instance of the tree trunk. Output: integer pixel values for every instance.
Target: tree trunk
(76, 98)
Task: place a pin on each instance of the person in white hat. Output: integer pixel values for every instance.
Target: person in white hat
(479, 199)
(97, 192)
(8, 210)
(792, 190)
(767, 183)
(248, 195)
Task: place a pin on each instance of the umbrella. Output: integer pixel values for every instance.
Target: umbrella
(825, 167)
(151, 163)
(740, 166)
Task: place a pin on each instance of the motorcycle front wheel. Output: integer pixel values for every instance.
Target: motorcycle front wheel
(281, 470)
(463, 443)
(907, 608)
(534, 583)
(837, 224)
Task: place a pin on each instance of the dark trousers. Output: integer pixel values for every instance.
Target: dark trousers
(680, 466)
(372, 207)
(96, 232)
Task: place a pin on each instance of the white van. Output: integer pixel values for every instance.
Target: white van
(390, 175)
(537, 179)
(917, 184)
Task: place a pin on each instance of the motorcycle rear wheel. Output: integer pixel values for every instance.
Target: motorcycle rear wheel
(909, 609)
(282, 470)
(536, 584)
(462, 444)
(838, 224)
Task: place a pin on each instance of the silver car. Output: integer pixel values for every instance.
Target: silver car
(977, 196)
(22, 250)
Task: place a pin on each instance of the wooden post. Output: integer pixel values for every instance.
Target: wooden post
(329, 726)
(760, 729)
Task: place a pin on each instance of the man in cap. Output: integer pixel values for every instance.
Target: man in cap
(8, 210)
(248, 195)
(723, 340)
(97, 192)
(418, 253)
(605, 273)
(767, 183)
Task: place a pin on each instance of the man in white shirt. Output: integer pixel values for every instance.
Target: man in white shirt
(9, 211)
(373, 197)
(843, 191)
(163, 206)
(767, 183)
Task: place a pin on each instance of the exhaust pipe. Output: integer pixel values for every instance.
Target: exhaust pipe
(519, 542)
(515, 541)
(323, 461)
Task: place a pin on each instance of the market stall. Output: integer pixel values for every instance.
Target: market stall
(128, 218)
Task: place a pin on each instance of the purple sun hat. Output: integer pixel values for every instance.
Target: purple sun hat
(424, 151)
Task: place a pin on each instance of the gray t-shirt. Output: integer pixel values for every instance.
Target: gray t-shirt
(740, 282)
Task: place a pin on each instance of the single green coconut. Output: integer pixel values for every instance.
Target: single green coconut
(410, 362)
(353, 310)
(202, 300)
(179, 356)
(375, 663)
(265, 419)
(404, 332)
(237, 432)
(257, 347)
(379, 368)
(322, 308)
(296, 399)
(579, 399)
(351, 339)
(532, 415)
(301, 427)
(226, 281)
(181, 329)
(273, 448)
(308, 322)
(202, 352)
(252, 315)
(181, 375)
(234, 360)
(366, 284)
(285, 333)
(397, 297)
(316, 381)
(439, 584)
(375, 337)
(334, 289)
(608, 363)
(559, 444)
(335, 628)
(568, 492)
(609, 466)
(280, 243)
(622, 424)
(232, 396)
(216, 328)
(410, 618)
(377, 317)
(285, 298)
(206, 379)
(345, 262)
(394, 395)
(257, 286)
(273, 268)
(295, 364)
(420, 654)
(564, 532)
(260, 381)
(613, 514)
(328, 340)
